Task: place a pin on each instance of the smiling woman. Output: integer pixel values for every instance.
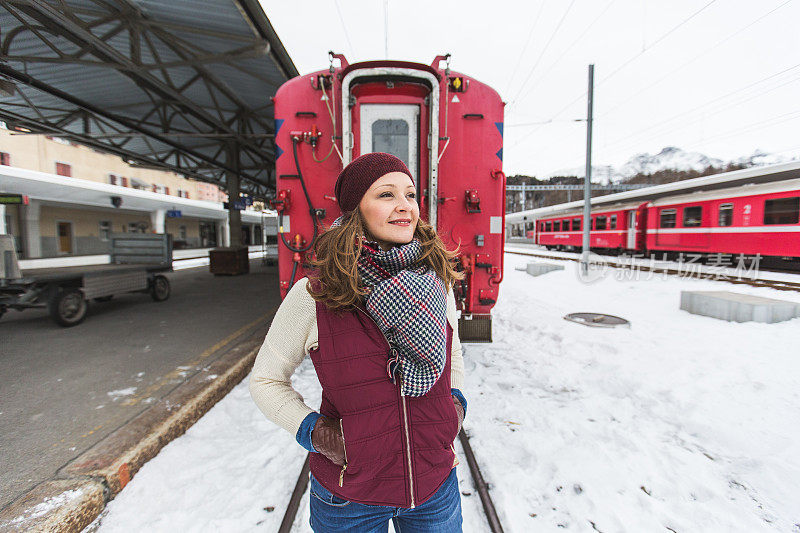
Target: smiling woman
(377, 315)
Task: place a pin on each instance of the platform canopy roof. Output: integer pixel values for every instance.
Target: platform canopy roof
(180, 85)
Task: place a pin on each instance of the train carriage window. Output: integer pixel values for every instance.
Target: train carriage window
(667, 217)
(548, 226)
(693, 216)
(782, 211)
(725, 215)
(557, 225)
(612, 222)
(565, 225)
(576, 224)
(391, 136)
(600, 222)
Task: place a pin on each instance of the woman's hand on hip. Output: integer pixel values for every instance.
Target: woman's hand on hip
(326, 437)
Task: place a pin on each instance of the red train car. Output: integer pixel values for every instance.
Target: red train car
(762, 219)
(612, 228)
(445, 125)
(754, 219)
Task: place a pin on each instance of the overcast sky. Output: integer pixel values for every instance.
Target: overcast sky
(720, 77)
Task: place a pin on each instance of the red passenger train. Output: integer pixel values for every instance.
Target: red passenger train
(446, 126)
(751, 219)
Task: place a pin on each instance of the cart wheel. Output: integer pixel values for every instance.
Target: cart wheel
(103, 298)
(159, 288)
(68, 307)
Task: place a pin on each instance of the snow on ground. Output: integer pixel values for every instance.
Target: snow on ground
(680, 423)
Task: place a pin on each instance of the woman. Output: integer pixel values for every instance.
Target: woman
(378, 318)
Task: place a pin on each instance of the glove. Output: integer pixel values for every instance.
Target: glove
(326, 437)
(459, 412)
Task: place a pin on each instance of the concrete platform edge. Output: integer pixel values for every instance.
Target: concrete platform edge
(80, 490)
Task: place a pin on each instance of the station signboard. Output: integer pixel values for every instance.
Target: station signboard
(13, 199)
(174, 213)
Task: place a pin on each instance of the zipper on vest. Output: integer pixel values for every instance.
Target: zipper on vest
(405, 419)
(408, 445)
(344, 448)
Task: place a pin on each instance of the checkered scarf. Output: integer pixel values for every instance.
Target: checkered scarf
(408, 303)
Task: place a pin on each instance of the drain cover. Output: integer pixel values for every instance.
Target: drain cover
(597, 320)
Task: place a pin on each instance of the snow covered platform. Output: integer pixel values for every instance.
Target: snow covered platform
(537, 269)
(682, 423)
(736, 307)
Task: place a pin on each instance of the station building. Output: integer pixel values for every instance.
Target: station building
(79, 196)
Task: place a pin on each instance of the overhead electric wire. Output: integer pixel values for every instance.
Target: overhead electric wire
(546, 46)
(694, 58)
(344, 28)
(527, 42)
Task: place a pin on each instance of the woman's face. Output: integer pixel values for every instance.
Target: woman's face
(389, 209)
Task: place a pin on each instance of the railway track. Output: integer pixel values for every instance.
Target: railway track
(480, 485)
(780, 285)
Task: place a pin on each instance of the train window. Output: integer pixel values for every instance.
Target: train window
(612, 222)
(782, 211)
(600, 222)
(391, 136)
(576, 224)
(692, 216)
(548, 226)
(565, 225)
(557, 225)
(725, 215)
(667, 218)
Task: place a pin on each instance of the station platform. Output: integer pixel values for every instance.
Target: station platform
(679, 422)
(66, 390)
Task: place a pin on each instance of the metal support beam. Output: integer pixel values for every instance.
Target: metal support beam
(234, 215)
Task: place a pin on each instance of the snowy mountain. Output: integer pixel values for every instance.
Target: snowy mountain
(669, 158)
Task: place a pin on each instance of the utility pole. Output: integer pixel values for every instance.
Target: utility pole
(587, 183)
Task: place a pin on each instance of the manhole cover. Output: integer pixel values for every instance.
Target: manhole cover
(597, 320)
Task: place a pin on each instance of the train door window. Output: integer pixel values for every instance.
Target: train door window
(600, 222)
(548, 226)
(391, 128)
(693, 216)
(782, 211)
(557, 225)
(668, 218)
(576, 224)
(725, 215)
(612, 222)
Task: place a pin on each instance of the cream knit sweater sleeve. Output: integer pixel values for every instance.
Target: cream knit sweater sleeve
(291, 335)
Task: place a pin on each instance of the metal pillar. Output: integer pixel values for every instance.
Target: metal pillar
(587, 182)
(158, 220)
(3, 229)
(232, 181)
(31, 235)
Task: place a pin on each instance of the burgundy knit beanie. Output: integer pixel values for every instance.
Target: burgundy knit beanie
(357, 177)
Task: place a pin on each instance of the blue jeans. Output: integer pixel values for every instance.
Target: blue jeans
(440, 514)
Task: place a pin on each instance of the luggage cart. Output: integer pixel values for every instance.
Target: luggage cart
(138, 261)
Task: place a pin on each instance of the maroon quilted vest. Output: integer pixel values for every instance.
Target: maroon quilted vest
(398, 449)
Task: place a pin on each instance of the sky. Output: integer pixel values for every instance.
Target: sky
(720, 77)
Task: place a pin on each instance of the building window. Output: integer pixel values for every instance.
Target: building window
(668, 218)
(63, 169)
(782, 211)
(5, 159)
(124, 181)
(166, 190)
(726, 214)
(576, 224)
(548, 226)
(600, 222)
(114, 179)
(693, 216)
(105, 230)
(612, 222)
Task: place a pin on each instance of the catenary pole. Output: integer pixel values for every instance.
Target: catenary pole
(587, 182)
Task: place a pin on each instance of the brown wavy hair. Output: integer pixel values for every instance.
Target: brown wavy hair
(334, 267)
